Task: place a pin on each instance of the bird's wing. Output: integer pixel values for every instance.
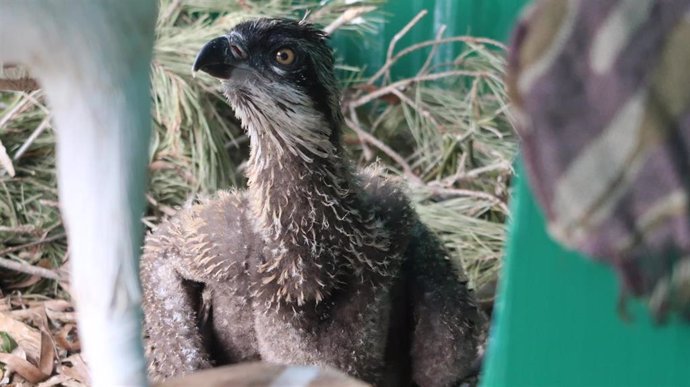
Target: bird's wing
(206, 243)
(448, 327)
(215, 239)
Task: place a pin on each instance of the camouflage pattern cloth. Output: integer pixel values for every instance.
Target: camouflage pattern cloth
(602, 96)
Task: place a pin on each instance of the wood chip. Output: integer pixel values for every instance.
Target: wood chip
(58, 305)
(47, 361)
(28, 338)
(67, 338)
(57, 380)
(78, 371)
(22, 367)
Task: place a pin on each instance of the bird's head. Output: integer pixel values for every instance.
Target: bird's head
(278, 77)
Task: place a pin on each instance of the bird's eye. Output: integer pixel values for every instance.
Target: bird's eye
(285, 56)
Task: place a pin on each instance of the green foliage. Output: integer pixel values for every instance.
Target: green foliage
(7, 343)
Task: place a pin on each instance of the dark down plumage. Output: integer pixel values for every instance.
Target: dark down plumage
(313, 263)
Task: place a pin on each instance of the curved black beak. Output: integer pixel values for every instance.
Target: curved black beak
(216, 59)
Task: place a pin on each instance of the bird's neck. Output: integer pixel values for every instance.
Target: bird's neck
(310, 213)
(287, 190)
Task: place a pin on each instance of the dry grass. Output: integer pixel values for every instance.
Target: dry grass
(446, 131)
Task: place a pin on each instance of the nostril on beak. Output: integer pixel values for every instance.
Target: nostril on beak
(238, 52)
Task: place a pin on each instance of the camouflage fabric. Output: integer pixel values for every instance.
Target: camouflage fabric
(602, 97)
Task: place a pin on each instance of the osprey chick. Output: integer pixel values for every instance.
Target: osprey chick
(312, 263)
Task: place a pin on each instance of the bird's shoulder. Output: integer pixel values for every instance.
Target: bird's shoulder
(212, 238)
(387, 198)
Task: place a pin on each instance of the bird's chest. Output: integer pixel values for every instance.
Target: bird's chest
(348, 332)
